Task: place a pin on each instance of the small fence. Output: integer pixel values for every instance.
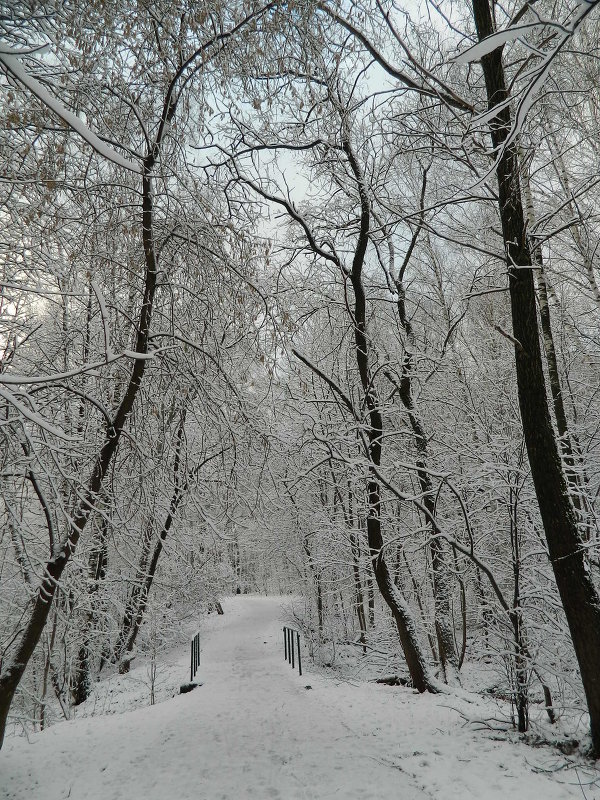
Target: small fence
(291, 647)
(194, 656)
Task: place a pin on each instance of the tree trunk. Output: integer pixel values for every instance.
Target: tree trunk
(362, 525)
(439, 567)
(580, 599)
(359, 602)
(403, 617)
(516, 616)
(96, 573)
(440, 572)
(13, 671)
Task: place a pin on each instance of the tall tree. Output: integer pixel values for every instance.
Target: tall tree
(579, 595)
(177, 70)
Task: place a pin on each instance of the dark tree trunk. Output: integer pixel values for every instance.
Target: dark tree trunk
(359, 602)
(439, 567)
(516, 617)
(13, 671)
(440, 573)
(358, 588)
(97, 572)
(407, 631)
(580, 599)
(362, 525)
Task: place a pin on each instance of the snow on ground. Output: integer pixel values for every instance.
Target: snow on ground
(255, 730)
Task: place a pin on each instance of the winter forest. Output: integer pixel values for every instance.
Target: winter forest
(302, 299)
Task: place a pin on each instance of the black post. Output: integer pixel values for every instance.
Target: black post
(285, 643)
(292, 638)
(194, 656)
(299, 656)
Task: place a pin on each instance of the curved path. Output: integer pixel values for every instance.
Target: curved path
(253, 730)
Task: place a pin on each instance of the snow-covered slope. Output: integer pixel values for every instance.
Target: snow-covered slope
(254, 730)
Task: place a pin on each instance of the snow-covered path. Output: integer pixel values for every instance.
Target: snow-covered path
(254, 730)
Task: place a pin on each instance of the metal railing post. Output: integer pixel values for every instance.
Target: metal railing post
(194, 656)
(291, 641)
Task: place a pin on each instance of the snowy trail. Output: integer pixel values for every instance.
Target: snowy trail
(254, 731)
